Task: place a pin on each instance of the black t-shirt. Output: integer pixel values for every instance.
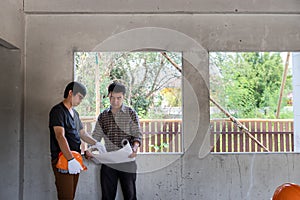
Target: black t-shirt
(60, 116)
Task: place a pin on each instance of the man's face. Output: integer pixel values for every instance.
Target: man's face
(116, 99)
(76, 100)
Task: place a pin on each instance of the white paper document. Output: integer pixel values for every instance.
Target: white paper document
(119, 156)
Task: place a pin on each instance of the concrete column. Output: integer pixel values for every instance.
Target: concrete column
(10, 124)
(296, 99)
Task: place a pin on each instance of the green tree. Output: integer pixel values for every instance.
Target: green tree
(248, 83)
(92, 69)
(143, 73)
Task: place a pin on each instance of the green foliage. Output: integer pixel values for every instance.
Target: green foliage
(141, 105)
(287, 115)
(86, 66)
(160, 148)
(172, 96)
(144, 74)
(248, 84)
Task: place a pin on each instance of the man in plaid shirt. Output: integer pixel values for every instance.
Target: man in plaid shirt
(116, 125)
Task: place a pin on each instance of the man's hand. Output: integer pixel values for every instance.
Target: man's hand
(133, 155)
(101, 148)
(74, 166)
(88, 155)
(134, 151)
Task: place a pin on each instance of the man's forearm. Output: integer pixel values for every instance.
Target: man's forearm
(64, 147)
(62, 142)
(87, 138)
(136, 145)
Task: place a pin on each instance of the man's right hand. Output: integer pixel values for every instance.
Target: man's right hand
(88, 155)
(101, 148)
(74, 166)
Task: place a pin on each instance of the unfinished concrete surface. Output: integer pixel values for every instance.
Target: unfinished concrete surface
(39, 39)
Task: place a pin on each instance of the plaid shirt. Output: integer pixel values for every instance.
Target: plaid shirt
(114, 128)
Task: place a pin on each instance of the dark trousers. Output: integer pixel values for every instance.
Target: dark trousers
(65, 183)
(110, 174)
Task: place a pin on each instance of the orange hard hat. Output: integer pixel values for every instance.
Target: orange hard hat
(62, 162)
(287, 191)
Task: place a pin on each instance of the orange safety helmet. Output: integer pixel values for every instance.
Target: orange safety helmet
(287, 191)
(62, 162)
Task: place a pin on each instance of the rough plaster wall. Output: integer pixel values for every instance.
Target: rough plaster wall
(53, 72)
(244, 176)
(12, 22)
(10, 117)
(51, 39)
(164, 6)
(11, 102)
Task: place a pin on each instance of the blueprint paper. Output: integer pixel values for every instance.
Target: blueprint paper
(119, 156)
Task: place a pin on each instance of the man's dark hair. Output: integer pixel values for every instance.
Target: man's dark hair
(116, 87)
(76, 88)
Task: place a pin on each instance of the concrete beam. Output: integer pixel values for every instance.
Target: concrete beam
(163, 6)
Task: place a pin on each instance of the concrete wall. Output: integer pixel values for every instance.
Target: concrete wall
(12, 23)
(54, 31)
(10, 118)
(11, 103)
(296, 99)
(160, 6)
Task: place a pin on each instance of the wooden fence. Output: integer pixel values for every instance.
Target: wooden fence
(159, 135)
(165, 135)
(275, 134)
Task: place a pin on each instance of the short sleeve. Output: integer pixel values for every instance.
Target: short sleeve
(78, 122)
(56, 118)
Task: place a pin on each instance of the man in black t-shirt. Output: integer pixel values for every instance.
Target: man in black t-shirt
(66, 130)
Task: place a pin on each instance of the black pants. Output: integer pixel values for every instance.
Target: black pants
(110, 174)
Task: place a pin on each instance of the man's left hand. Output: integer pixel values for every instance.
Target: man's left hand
(133, 155)
(88, 155)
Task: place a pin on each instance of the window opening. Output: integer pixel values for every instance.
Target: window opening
(251, 95)
(154, 89)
